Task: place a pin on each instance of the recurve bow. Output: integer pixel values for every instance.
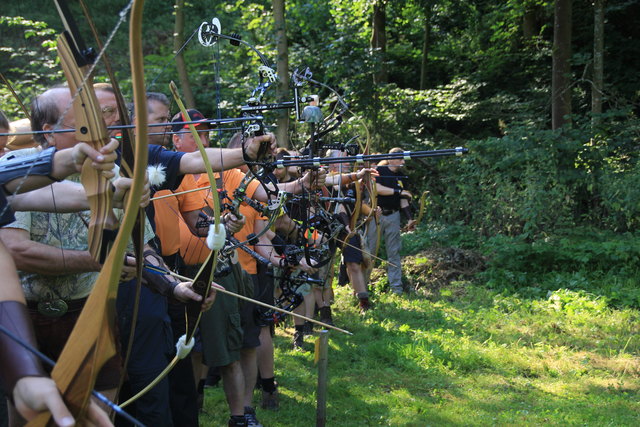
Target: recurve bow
(92, 341)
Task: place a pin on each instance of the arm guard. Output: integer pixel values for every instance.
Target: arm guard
(16, 362)
(32, 164)
(160, 283)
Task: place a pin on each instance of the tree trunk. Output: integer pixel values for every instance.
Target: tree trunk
(379, 40)
(598, 59)
(560, 79)
(529, 24)
(178, 41)
(282, 89)
(426, 41)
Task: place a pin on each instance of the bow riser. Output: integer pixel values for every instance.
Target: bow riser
(92, 130)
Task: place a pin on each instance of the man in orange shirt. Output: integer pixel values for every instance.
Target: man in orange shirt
(227, 344)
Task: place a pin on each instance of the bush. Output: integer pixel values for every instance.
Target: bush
(533, 183)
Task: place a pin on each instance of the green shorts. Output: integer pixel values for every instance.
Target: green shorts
(221, 326)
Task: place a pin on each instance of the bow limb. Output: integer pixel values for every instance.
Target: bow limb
(92, 341)
(127, 160)
(202, 282)
(357, 208)
(423, 204)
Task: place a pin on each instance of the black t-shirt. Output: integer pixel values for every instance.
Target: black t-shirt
(6, 214)
(158, 155)
(392, 180)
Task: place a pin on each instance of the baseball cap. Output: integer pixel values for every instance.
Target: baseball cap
(195, 115)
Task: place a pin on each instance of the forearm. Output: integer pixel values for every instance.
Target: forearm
(219, 158)
(60, 197)
(191, 219)
(34, 257)
(341, 178)
(293, 187)
(264, 246)
(384, 191)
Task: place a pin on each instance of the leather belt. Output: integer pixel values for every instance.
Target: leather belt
(56, 307)
(387, 212)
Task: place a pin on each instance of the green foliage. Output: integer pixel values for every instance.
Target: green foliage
(27, 52)
(533, 182)
(603, 263)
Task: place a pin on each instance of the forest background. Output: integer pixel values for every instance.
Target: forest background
(545, 94)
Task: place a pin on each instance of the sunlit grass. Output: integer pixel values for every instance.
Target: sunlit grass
(468, 357)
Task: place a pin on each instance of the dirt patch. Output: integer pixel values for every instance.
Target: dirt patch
(435, 268)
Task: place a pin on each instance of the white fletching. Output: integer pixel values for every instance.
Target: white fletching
(182, 348)
(157, 174)
(216, 238)
(116, 173)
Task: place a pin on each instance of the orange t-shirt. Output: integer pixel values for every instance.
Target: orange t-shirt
(167, 218)
(194, 249)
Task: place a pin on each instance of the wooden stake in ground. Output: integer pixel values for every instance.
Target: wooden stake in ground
(322, 359)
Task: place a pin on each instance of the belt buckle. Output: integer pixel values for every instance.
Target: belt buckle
(53, 308)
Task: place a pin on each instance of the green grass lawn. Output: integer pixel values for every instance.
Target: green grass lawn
(467, 356)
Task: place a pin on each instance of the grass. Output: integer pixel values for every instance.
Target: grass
(465, 356)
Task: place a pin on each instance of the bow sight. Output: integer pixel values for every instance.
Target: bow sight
(208, 35)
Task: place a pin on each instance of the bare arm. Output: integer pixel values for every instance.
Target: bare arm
(62, 197)
(226, 158)
(264, 246)
(311, 179)
(220, 159)
(346, 178)
(191, 218)
(39, 258)
(387, 191)
(69, 196)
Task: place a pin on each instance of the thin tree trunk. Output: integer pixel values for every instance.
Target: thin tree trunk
(426, 41)
(529, 24)
(282, 89)
(178, 40)
(598, 59)
(379, 40)
(560, 80)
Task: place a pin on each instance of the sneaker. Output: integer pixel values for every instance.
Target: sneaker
(325, 315)
(250, 417)
(298, 340)
(270, 401)
(237, 422)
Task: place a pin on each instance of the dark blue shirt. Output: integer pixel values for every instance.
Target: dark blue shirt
(170, 160)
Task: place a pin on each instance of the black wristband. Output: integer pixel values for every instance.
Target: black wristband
(397, 191)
